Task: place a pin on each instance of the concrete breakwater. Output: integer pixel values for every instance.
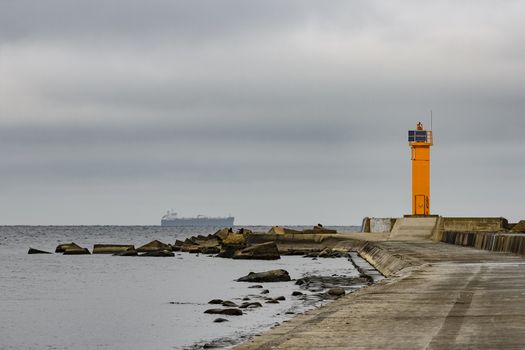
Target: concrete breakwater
(497, 242)
(437, 296)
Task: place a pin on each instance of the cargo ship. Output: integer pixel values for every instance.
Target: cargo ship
(172, 219)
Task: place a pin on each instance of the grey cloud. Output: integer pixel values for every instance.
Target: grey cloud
(271, 109)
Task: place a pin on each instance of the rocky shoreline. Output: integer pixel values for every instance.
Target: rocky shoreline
(311, 290)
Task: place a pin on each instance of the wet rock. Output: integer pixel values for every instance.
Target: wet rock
(228, 303)
(289, 313)
(111, 248)
(76, 251)
(37, 251)
(159, 253)
(223, 233)
(519, 227)
(154, 246)
(337, 291)
(272, 301)
(62, 247)
(210, 250)
(245, 298)
(296, 293)
(129, 252)
(216, 301)
(256, 286)
(265, 291)
(230, 312)
(220, 320)
(251, 305)
(232, 243)
(280, 298)
(267, 276)
(278, 230)
(263, 251)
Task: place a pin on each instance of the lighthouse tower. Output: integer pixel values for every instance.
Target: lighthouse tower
(420, 141)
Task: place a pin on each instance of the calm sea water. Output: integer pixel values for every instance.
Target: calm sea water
(106, 302)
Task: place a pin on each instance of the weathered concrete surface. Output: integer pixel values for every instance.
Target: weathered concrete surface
(413, 228)
(447, 297)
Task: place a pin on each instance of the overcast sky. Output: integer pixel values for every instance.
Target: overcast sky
(277, 112)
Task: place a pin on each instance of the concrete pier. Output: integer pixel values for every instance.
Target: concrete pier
(437, 296)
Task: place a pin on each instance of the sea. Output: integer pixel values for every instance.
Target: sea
(109, 302)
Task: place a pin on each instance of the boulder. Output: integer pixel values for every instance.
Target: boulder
(129, 252)
(158, 253)
(255, 286)
(111, 248)
(62, 247)
(220, 320)
(519, 227)
(272, 301)
(228, 303)
(251, 305)
(231, 244)
(210, 250)
(215, 301)
(265, 291)
(337, 291)
(296, 293)
(153, 246)
(223, 233)
(263, 251)
(280, 298)
(278, 230)
(76, 251)
(319, 229)
(230, 312)
(267, 276)
(37, 251)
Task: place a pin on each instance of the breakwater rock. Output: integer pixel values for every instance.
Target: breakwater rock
(111, 248)
(268, 276)
(37, 251)
(264, 251)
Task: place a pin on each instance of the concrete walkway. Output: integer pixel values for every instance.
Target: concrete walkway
(450, 297)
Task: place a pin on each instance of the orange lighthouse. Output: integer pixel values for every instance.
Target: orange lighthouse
(420, 141)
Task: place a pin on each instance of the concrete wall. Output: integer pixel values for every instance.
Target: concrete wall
(377, 225)
(463, 224)
(381, 224)
(497, 242)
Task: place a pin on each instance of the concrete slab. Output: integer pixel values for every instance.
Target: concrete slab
(454, 298)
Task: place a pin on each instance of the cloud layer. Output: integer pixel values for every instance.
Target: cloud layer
(279, 112)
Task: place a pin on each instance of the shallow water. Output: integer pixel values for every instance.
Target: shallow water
(106, 302)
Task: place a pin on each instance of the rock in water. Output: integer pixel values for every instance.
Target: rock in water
(159, 253)
(154, 246)
(130, 252)
(337, 291)
(216, 301)
(62, 247)
(230, 312)
(228, 303)
(250, 305)
(76, 251)
(268, 276)
(296, 293)
(220, 320)
(37, 251)
(111, 248)
(232, 243)
(263, 251)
